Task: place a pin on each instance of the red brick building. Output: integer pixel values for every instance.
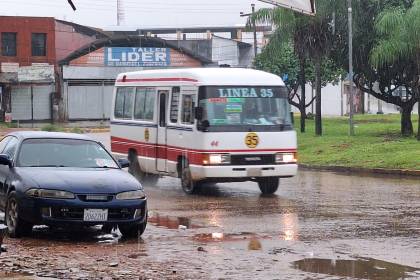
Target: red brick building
(30, 48)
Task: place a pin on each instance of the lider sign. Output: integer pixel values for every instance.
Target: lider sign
(137, 57)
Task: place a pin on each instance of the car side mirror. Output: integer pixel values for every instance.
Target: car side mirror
(5, 160)
(198, 113)
(124, 163)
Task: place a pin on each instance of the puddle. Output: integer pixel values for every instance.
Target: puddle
(171, 222)
(365, 268)
(219, 236)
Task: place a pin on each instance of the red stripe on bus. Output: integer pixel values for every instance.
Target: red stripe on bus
(127, 80)
(171, 153)
(133, 142)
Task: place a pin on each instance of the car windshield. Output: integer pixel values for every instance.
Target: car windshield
(246, 107)
(64, 153)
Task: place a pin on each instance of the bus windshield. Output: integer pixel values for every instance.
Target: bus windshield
(241, 108)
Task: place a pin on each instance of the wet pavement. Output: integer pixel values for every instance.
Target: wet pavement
(318, 225)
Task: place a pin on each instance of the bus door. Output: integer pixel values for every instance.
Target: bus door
(161, 149)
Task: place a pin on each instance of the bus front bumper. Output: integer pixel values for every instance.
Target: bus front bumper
(243, 171)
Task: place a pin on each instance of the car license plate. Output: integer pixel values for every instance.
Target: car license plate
(95, 215)
(254, 172)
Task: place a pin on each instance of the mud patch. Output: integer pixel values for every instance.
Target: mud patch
(364, 268)
(172, 222)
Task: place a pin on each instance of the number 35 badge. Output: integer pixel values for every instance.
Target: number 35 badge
(252, 140)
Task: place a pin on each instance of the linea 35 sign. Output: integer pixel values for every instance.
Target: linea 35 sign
(137, 57)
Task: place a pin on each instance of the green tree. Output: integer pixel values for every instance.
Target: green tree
(311, 36)
(399, 29)
(381, 81)
(285, 62)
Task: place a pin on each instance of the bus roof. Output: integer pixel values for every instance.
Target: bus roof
(200, 76)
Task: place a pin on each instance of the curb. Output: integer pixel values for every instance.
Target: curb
(97, 130)
(361, 170)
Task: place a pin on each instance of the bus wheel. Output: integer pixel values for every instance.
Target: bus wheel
(135, 170)
(268, 185)
(188, 184)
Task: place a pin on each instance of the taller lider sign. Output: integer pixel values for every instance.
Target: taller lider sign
(137, 57)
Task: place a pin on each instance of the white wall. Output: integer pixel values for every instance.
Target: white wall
(225, 51)
(334, 105)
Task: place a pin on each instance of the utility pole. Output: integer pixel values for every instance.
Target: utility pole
(120, 12)
(351, 97)
(254, 27)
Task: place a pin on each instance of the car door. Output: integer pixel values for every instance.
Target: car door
(9, 148)
(3, 172)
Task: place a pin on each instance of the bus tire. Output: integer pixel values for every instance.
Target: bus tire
(189, 186)
(268, 185)
(135, 170)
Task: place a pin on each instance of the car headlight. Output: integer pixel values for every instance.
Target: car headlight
(50, 194)
(131, 195)
(286, 158)
(214, 159)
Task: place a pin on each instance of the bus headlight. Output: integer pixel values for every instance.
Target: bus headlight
(215, 159)
(286, 158)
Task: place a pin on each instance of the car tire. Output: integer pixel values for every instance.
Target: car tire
(135, 170)
(133, 231)
(189, 186)
(15, 225)
(268, 185)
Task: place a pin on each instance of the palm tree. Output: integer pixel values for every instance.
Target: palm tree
(400, 30)
(310, 36)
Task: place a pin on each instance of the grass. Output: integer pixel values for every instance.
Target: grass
(52, 128)
(377, 144)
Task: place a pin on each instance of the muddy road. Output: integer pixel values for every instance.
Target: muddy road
(318, 225)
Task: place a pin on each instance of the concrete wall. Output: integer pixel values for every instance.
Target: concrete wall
(225, 51)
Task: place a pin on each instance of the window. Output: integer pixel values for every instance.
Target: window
(39, 44)
(124, 103)
(187, 109)
(10, 149)
(8, 44)
(64, 153)
(145, 104)
(4, 142)
(174, 105)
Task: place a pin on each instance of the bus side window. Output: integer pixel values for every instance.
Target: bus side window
(187, 116)
(144, 104)
(124, 102)
(173, 115)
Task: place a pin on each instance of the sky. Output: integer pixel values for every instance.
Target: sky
(137, 13)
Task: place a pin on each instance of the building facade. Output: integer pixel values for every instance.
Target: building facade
(88, 74)
(30, 48)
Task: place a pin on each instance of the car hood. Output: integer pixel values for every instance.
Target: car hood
(79, 180)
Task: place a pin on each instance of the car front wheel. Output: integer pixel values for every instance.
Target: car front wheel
(15, 225)
(133, 230)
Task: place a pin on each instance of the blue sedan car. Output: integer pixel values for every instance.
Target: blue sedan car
(63, 179)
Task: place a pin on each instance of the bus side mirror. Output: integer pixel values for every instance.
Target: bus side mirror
(198, 113)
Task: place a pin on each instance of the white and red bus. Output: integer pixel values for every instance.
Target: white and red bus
(204, 125)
